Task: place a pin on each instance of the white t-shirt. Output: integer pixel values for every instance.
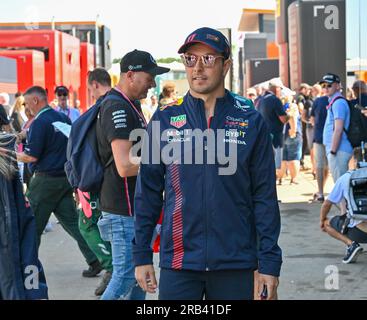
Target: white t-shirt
(340, 192)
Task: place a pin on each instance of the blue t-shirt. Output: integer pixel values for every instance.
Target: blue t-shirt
(71, 113)
(46, 143)
(270, 107)
(339, 110)
(319, 112)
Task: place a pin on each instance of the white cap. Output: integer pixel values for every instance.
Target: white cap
(6, 98)
(276, 82)
(251, 91)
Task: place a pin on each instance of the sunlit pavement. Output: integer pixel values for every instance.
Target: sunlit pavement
(312, 267)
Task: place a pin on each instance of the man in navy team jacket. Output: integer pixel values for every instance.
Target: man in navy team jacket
(217, 228)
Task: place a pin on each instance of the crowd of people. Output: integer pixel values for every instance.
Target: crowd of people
(300, 123)
(217, 241)
(319, 119)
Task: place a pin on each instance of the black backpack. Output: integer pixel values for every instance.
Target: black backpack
(357, 131)
(83, 167)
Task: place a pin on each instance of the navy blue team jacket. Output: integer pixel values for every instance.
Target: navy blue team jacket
(211, 221)
(21, 273)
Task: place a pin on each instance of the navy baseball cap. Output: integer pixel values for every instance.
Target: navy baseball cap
(137, 60)
(211, 37)
(330, 78)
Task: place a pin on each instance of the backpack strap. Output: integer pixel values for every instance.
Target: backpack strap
(109, 162)
(111, 97)
(335, 99)
(330, 106)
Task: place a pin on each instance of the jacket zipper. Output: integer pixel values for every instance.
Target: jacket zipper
(205, 205)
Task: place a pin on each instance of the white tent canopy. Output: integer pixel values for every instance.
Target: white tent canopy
(285, 91)
(356, 64)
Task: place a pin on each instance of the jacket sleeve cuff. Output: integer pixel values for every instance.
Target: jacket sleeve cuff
(270, 267)
(143, 258)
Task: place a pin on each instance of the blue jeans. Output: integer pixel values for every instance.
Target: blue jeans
(119, 231)
(292, 149)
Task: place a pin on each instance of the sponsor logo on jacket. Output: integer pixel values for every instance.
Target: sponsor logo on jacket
(236, 122)
(178, 121)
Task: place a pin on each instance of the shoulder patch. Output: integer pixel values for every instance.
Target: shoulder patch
(242, 103)
(176, 103)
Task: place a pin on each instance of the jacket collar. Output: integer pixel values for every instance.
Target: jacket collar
(220, 104)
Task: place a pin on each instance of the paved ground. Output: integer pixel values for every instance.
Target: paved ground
(309, 255)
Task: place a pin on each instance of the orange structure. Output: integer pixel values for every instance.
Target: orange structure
(257, 25)
(255, 19)
(272, 50)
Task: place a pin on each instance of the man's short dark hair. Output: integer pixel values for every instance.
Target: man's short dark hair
(101, 76)
(39, 91)
(61, 89)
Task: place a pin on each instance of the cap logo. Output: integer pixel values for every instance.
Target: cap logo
(139, 66)
(212, 37)
(190, 38)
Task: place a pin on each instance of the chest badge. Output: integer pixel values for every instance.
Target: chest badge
(179, 121)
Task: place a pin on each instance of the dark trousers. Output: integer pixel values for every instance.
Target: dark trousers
(211, 285)
(54, 195)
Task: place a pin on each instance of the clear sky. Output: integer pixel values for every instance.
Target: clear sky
(160, 26)
(355, 25)
(157, 26)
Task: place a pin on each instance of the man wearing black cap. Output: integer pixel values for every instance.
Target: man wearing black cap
(62, 94)
(338, 148)
(45, 153)
(118, 118)
(211, 219)
(360, 92)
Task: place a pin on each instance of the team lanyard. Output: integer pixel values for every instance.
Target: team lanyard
(141, 116)
(43, 110)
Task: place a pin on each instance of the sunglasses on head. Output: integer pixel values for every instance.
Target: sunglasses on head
(208, 60)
